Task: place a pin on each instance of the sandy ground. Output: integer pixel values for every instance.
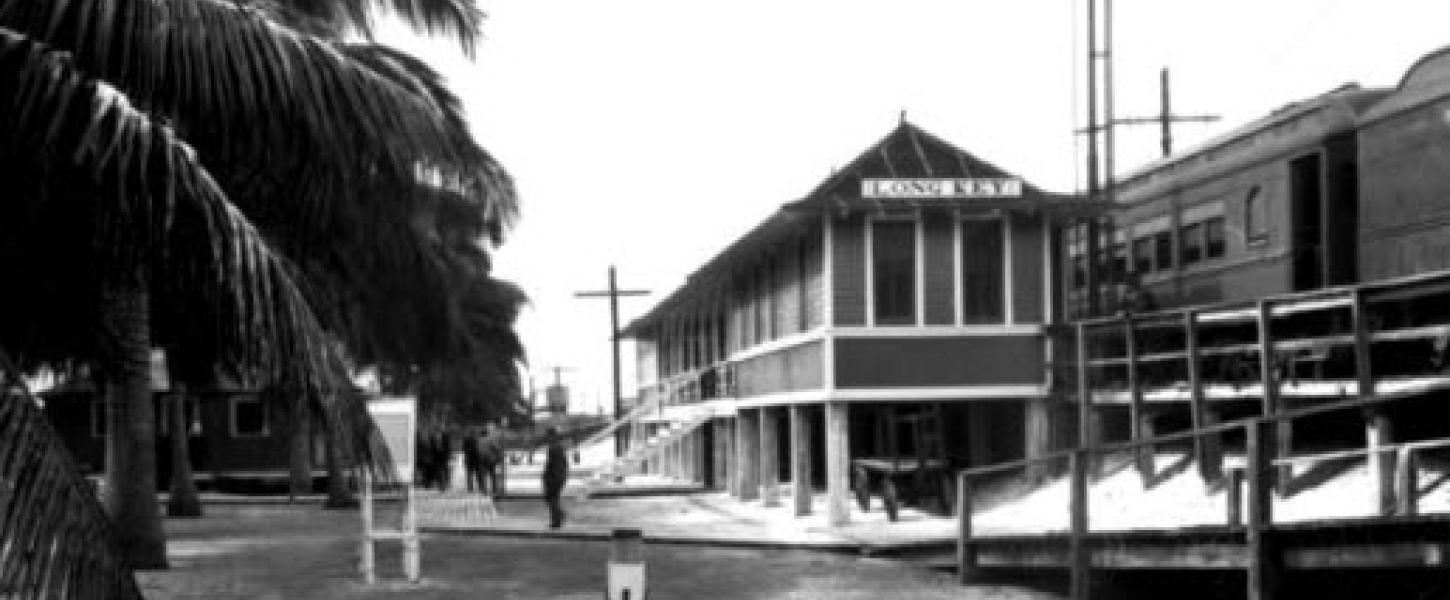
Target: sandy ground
(303, 551)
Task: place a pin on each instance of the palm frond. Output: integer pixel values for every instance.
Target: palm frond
(55, 539)
(83, 146)
(225, 71)
(457, 19)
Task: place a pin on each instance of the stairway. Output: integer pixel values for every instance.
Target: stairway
(614, 471)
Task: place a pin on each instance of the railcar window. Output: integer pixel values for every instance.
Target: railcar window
(1163, 248)
(1191, 237)
(893, 263)
(1143, 254)
(1256, 225)
(1214, 245)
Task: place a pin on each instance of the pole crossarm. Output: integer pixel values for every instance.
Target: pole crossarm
(613, 294)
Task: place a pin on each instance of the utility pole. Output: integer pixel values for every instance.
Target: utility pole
(1165, 117)
(613, 293)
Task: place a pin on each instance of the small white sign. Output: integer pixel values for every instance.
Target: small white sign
(396, 418)
(994, 187)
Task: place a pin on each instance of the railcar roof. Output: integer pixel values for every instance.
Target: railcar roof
(1283, 129)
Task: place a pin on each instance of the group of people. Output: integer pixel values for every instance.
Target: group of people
(482, 452)
(483, 456)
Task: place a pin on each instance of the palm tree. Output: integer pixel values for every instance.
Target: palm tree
(152, 239)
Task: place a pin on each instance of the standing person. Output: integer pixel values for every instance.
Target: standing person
(473, 461)
(490, 455)
(556, 472)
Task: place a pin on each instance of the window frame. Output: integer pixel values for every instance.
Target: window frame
(1191, 244)
(1256, 216)
(873, 306)
(1004, 229)
(1209, 243)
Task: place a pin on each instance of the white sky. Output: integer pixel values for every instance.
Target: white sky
(652, 133)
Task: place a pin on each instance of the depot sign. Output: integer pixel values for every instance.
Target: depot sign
(997, 187)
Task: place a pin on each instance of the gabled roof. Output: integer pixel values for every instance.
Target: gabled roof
(906, 152)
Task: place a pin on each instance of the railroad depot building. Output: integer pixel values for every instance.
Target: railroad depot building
(888, 328)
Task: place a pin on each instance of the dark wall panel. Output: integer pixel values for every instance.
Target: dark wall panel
(927, 361)
(937, 266)
(1027, 268)
(848, 258)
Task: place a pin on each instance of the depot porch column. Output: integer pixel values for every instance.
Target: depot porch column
(800, 459)
(838, 464)
(747, 453)
(769, 457)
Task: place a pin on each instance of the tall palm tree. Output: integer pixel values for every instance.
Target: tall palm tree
(264, 97)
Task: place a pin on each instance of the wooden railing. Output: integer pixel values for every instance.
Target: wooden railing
(1358, 340)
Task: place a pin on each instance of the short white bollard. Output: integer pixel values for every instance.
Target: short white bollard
(626, 565)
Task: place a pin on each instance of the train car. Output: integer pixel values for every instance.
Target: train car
(1255, 212)
(1404, 157)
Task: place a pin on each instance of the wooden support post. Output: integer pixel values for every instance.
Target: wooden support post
(1264, 564)
(1079, 554)
(838, 464)
(731, 474)
(1284, 437)
(1407, 483)
(718, 455)
(967, 569)
(747, 452)
(1139, 421)
(1039, 436)
(1208, 447)
(800, 459)
(769, 457)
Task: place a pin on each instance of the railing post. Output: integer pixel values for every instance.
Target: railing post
(1235, 500)
(1407, 483)
(967, 570)
(1080, 555)
(1283, 446)
(1378, 430)
(1140, 424)
(1263, 579)
(1207, 447)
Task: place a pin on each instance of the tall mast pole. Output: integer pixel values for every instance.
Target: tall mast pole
(1090, 260)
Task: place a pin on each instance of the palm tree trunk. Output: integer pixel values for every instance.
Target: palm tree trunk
(184, 500)
(339, 495)
(299, 452)
(125, 340)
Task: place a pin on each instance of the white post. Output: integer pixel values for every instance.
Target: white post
(368, 561)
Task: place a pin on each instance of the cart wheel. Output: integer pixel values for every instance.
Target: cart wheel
(863, 489)
(888, 496)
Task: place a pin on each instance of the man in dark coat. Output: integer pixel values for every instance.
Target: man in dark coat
(556, 472)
